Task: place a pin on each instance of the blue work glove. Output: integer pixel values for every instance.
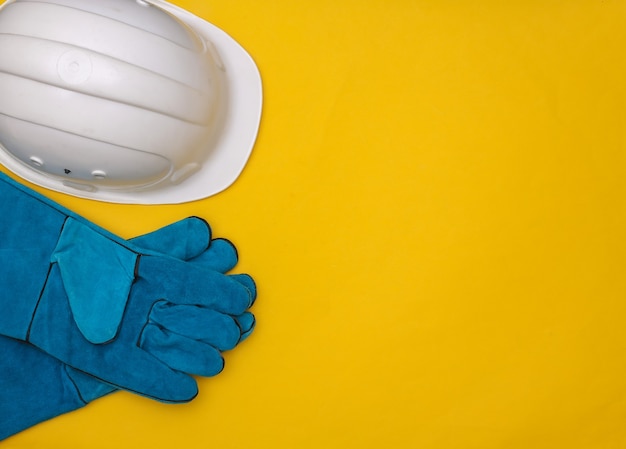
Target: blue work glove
(133, 318)
(37, 387)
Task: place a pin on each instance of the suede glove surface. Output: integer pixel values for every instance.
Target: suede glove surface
(134, 318)
(37, 387)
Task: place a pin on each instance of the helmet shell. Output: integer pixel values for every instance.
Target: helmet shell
(127, 101)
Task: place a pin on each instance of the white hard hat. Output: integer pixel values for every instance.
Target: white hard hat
(126, 101)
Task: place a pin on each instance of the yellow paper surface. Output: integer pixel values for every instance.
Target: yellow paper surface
(435, 216)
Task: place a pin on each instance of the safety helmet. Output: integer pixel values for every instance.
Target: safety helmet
(126, 101)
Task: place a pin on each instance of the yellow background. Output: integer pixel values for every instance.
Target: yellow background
(435, 216)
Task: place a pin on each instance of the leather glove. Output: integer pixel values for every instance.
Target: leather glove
(134, 318)
(37, 387)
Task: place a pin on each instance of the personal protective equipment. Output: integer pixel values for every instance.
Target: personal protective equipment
(37, 387)
(134, 318)
(126, 101)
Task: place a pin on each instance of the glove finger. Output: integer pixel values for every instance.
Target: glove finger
(87, 386)
(246, 322)
(184, 239)
(248, 282)
(217, 329)
(181, 353)
(220, 256)
(185, 283)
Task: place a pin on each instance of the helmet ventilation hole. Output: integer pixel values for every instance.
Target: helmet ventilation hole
(36, 161)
